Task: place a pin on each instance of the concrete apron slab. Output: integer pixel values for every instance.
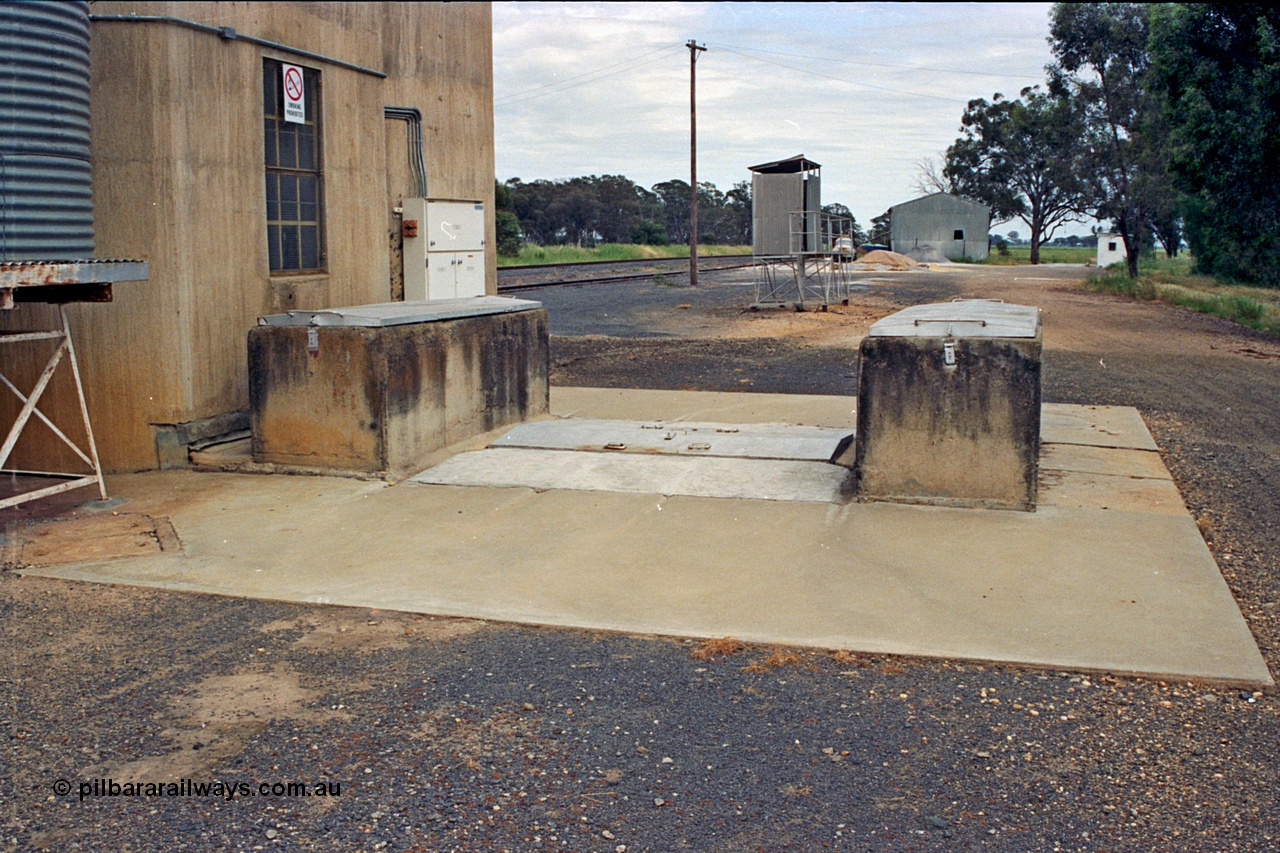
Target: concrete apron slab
(718, 460)
(1099, 426)
(1130, 588)
(683, 438)
(706, 477)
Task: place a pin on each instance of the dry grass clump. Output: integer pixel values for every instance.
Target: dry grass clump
(777, 658)
(713, 649)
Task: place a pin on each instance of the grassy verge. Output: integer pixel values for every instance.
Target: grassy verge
(1173, 282)
(611, 252)
(1048, 255)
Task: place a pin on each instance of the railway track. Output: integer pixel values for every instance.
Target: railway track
(596, 272)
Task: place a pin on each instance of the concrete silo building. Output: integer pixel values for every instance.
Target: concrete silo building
(260, 158)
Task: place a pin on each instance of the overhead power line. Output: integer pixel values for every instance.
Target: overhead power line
(924, 68)
(565, 84)
(842, 80)
(659, 54)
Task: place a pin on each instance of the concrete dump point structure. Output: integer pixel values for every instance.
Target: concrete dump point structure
(260, 158)
(188, 125)
(954, 227)
(1110, 573)
(380, 388)
(949, 406)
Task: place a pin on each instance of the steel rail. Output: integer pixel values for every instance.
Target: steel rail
(572, 282)
(682, 260)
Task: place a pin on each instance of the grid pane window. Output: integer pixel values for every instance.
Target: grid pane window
(294, 181)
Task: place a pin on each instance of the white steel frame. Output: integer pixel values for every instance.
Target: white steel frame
(816, 270)
(29, 407)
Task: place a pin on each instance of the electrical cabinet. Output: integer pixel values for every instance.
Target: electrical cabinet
(453, 275)
(455, 226)
(444, 259)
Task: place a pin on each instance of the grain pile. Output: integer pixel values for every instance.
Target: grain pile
(882, 260)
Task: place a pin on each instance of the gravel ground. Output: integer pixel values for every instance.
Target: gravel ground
(448, 734)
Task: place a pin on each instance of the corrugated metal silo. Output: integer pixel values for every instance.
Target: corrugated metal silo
(46, 202)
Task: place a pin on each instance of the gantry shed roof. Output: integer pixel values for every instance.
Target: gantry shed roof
(954, 201)
(798, 163)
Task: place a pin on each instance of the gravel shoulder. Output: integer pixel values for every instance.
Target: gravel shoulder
(448, 734)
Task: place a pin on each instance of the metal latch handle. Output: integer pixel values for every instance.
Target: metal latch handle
(920, 320)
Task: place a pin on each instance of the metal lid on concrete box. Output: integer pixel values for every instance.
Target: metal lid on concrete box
(401, 313)
(965, 318)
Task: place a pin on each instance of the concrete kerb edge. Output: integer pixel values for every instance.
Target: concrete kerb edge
(749, 641)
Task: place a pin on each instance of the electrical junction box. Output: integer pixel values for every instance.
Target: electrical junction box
(455, 226)
(445, 259)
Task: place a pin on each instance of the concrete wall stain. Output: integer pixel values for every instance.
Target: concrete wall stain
(932, 433)
(383, 399)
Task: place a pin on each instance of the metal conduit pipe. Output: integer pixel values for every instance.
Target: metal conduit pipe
(417, 164)
(229, 34)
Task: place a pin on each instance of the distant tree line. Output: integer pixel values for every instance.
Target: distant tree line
(1013, 238)
(614, 209)
(1160, 119)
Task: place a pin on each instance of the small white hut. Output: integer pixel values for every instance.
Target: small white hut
(1111, 250)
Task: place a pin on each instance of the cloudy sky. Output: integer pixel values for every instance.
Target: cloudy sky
(865, 89)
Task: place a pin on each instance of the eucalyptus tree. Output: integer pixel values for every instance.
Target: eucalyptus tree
(856, 234)
(674, 196)
(1219, 69)
(617, 206)
(1024, 159)
(1103, 63)
(881, 228)
(931, 177)
(738, 200)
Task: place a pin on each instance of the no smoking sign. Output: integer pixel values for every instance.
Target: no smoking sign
(295, 109)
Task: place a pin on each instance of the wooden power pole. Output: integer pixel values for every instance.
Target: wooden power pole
(694, 50)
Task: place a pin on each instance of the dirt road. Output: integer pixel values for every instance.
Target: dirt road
(457, 735)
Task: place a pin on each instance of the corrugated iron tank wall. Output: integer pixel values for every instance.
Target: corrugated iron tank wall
(46, 202)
